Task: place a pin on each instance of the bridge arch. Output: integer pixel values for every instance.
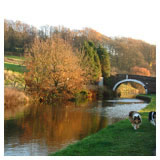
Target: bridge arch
(130, 80)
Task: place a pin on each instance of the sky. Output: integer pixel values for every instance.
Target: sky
(123, 18)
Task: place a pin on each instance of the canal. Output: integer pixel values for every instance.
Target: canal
(38, 130)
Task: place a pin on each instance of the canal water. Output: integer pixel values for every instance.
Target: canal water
(42, 129)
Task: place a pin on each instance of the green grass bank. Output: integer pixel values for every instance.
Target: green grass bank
(14, 63)
(119, 139)
(14, 67)
(14, 72)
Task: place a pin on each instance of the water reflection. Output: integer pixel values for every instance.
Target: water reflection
(15, 111)
(49, 128)
(44, 129)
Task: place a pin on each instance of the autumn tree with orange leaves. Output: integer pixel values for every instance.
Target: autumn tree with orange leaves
(53, 70)
(140, 71)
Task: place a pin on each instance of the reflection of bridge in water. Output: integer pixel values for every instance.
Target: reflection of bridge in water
(149, 83)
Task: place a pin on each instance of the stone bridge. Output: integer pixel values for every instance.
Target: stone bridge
(149, 83)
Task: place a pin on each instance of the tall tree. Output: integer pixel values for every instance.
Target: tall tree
(105, 61)
(92, 59)
(53, 70)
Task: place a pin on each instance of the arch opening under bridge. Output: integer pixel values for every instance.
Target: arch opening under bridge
(130, 80)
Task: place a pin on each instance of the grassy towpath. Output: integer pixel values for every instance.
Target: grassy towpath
(119, 139)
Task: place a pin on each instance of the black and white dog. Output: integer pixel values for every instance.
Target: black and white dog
(152, 118)
(135, 119)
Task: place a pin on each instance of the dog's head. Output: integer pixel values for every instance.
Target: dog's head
(137, 119)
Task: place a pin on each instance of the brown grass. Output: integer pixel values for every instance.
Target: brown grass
(14, 61)
(15, 102)
(13, 97)
(14, 79)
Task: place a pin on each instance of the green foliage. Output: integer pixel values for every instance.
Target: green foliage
(108, 81)
(82, 95)
(93, 60)
(105, 61)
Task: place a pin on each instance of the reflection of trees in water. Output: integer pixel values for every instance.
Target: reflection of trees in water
(16, 102)
(15, 112)
(58, 125)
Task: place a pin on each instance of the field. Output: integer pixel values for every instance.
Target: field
(14, 63)
(13, 71)
(15, 57)
(14, 67)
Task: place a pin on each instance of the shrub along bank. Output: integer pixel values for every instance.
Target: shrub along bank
(119, 139)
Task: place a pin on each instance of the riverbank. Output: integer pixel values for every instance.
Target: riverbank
(119, 139)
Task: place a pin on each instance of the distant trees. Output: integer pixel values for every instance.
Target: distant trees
(100, 55)
(53, 70)
(140, 71)
(127, 53)
(18, 36)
